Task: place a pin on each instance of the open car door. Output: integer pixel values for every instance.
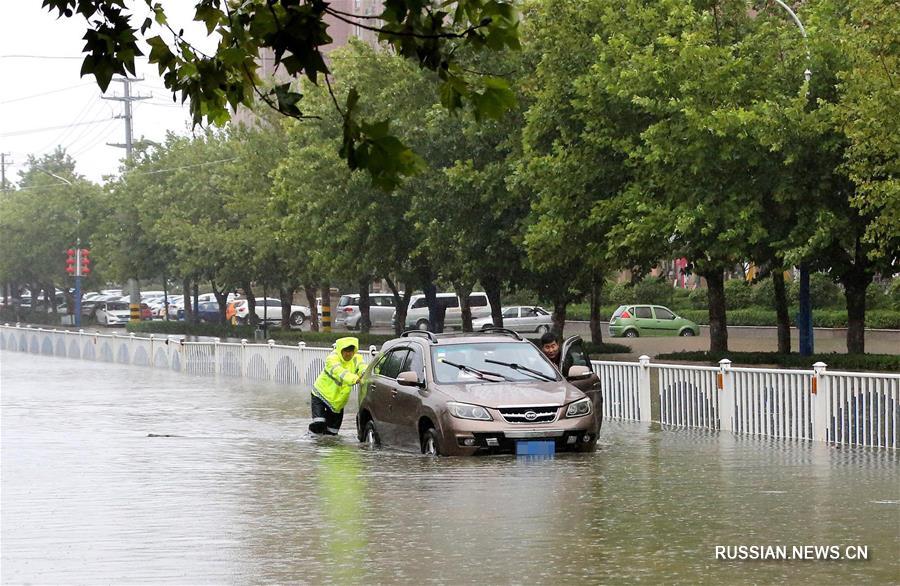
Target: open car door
(573, 354)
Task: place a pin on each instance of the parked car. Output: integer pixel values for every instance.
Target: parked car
(519, 318)
(207, 312)
(112, 313)
(381, 310)
(417, 314)
(631, 321)
(269, 309)
(476, 393)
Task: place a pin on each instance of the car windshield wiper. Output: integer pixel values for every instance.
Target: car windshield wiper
(525, 369)
(482, 374)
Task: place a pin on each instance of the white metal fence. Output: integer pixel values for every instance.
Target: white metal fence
(838, 407)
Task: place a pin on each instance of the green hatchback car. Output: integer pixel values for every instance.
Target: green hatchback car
(631, 321)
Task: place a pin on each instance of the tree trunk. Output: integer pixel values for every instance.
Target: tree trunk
(286, 295)
(401, 304)
(434, 318)
(252, 318)
(596, 298)
(781, 311)
(196, 299)
(50, 296)
(310, 290)
(855, 294)
(365, 320)
(559, 316)
(492, 290)
(718, 326)
(221, 299)
(188, 310)
(463, 290)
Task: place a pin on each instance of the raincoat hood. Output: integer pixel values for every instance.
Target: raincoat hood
(343, 343)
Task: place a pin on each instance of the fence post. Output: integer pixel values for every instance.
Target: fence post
(301, 351)
(243, 356)
(270, 368)
(820, 398)
(152, 359)
(217, 368)
(725, 384)
(131, 338)
(644, 388)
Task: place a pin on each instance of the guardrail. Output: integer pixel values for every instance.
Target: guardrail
(838, 407)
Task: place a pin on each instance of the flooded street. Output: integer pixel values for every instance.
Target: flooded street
(119, 475)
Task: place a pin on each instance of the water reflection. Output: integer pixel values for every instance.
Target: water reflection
(240, 494)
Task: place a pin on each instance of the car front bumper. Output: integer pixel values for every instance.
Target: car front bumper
(466, 437)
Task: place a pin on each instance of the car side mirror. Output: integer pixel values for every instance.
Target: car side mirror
(579, 373)
(409, 379)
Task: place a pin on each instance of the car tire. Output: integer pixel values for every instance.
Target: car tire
(422, 325)
(431, 443)
(370, 435)
(588, 447)
(543, 329)
(687, 333)
(631, 334)
(297, 319)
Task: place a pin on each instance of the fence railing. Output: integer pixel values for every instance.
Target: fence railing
(838, 407)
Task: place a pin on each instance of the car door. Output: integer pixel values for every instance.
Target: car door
(643, 319)
(529, 319)
(511, 318)
(406, 403)
(574, 354)
(666, 324)
(382, 392)
(381, 309)
(478, 304)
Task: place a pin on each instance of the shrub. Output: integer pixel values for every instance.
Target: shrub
(824, 293)
(866, 362)
(893, 292)
(877, 296)
(9, 315)
(653, 291)
(698, 299)
(738, 294)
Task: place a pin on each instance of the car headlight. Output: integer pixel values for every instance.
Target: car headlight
(466, 411)
(579, 408)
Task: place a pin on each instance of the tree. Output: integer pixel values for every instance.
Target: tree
(295, 31)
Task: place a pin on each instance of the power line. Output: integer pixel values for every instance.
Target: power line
(65, 89)
(47, 128)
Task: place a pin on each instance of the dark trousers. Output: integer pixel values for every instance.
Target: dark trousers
(324, 420)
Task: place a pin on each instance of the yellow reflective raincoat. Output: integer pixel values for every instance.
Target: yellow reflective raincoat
(335, 383)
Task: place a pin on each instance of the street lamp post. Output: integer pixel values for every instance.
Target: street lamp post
(804, 317)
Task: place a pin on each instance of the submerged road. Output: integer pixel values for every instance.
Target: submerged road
(114, 474)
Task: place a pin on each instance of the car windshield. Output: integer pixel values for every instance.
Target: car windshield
(345, 301)
(117, 306)
(510, 360)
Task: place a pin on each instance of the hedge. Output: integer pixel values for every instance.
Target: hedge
(864, 362)
(822, 318)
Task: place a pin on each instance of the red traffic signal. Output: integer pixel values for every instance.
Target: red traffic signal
(70, 261)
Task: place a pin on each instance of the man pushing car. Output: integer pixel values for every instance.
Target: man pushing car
(330, 393)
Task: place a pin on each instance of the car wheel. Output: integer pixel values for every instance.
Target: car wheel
(543, 329)
(687, 333)
(297, 319)
(370, 435)
(587, 447)
(631, 334)
(431, 444)
(422, 324)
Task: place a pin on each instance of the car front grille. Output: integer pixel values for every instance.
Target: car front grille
(529, 415)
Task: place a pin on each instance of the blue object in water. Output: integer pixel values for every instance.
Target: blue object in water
(535, 448)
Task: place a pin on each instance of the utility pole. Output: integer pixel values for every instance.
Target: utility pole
(134, 302)
(3, 171)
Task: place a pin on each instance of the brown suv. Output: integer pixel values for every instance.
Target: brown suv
(477, 393)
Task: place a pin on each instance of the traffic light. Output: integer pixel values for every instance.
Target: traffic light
(70, 261)
(85, 261)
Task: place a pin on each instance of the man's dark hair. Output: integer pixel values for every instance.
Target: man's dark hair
(548, 338)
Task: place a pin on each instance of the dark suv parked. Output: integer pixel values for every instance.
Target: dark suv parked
(477, 393)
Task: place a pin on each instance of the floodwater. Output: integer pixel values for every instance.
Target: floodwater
(238, 494)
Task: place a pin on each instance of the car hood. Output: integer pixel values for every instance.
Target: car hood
(511, 394)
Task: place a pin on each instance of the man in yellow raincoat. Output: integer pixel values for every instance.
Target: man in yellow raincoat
(331, 391)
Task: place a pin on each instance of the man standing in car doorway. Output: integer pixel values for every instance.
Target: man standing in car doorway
(550, 347)
(331, 391)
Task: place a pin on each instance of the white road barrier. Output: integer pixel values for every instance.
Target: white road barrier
(838, 407)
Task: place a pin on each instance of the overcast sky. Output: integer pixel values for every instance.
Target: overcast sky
(45, 103)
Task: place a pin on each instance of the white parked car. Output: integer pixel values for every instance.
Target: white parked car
(269, 309)
(417, 314)
(381, 310)
(112, 313)
(520, 318)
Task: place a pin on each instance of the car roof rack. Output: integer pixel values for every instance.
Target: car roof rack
(424, 333)
(498, 330)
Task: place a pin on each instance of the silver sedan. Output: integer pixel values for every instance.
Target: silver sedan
(520, 318)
